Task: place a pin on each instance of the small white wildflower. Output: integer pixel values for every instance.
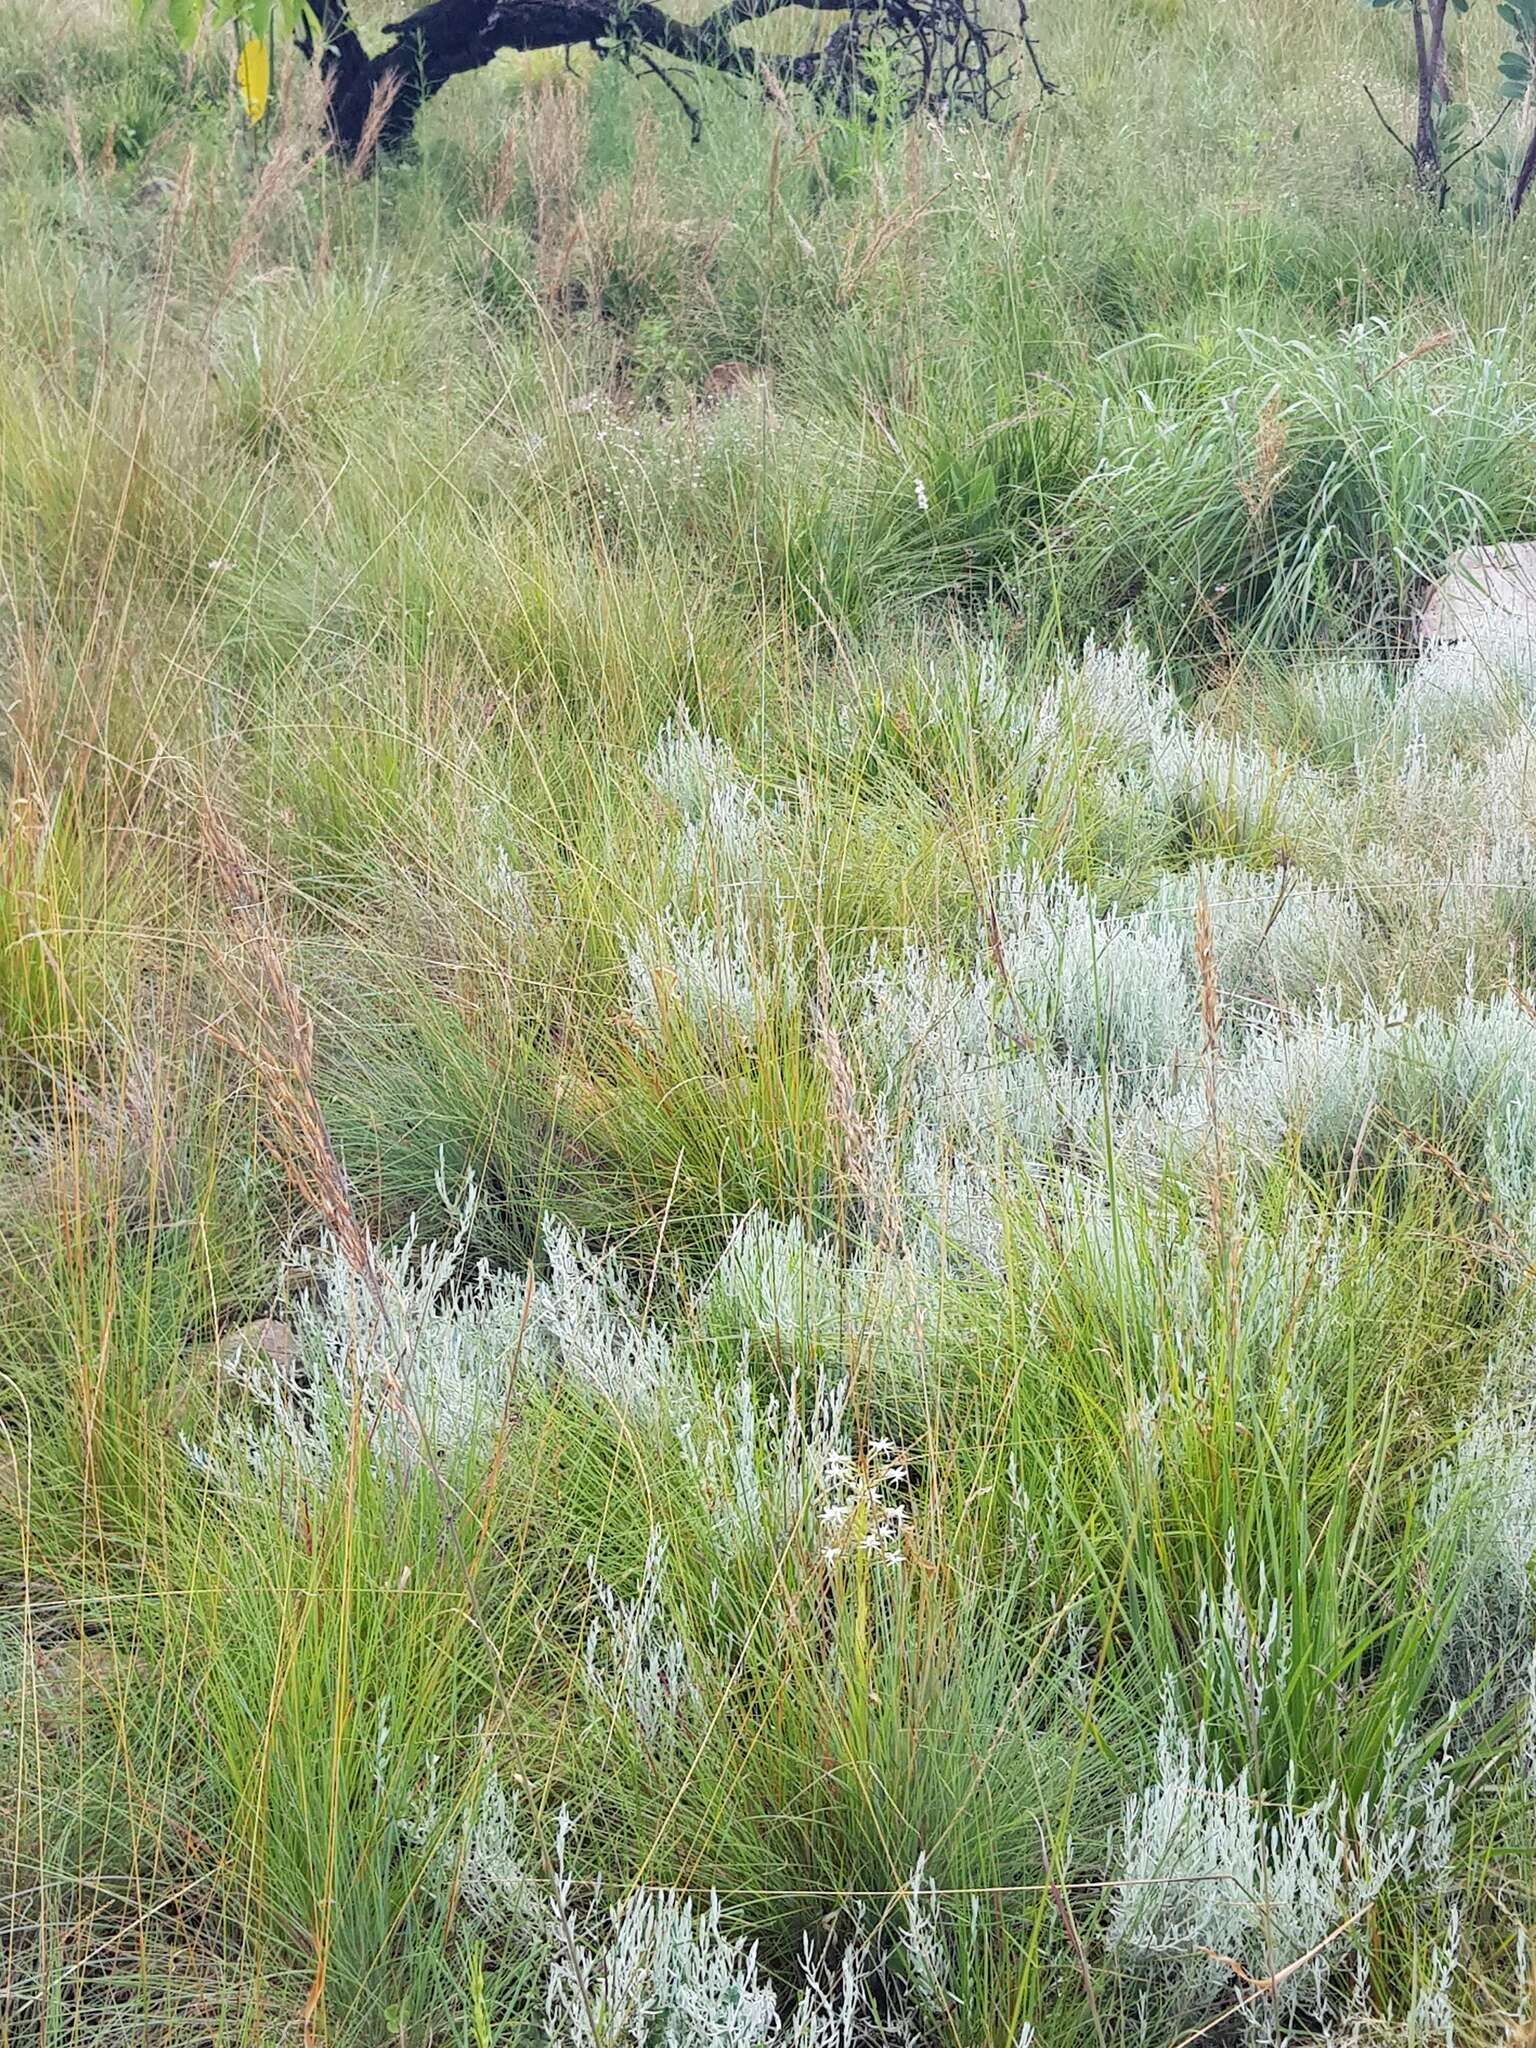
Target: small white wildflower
(863, 1516)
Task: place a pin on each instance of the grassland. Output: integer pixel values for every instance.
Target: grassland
(768, 1094)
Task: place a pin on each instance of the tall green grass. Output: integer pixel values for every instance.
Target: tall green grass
(398, 529)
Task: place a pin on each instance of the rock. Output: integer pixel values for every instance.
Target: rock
(266, 1337)
(1486, 596)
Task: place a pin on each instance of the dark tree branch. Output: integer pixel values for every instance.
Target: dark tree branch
(1523, 179)
(1047, 85)
(942, 58)
(1402, 143)
(1478, 140)
(691, 114)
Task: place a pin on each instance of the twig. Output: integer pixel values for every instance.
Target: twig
(1264, 1987)
(1406, 147)
(1048, 86)
(691, 113)
(1472, 147)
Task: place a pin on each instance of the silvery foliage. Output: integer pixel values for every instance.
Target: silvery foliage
(687, 766)
(1327, 1078)
(946, 1045)
(1208, 1877)
(504, 887)
(1251, 791)
(655, 1970)
(1338, 708)
(1111, 706)
(923, 1945)
(1461, 697)
(732, 846)
(1182, 1292)
(726, 838)
(764, 1470)
(1114, 714)
(475, 1853)
(586, 1330)
(1484, 1061)
(940, 1220)
(1214, 1886)
(1319, 1081)
(1109, 991)
(955, 1222)
(715, 972)
(422, 1356)
(1486, 897)
(411, 1350)
(780, 1288)
(1483, 1502)
(659, 1971)
(661, 1974)
(1509, 776)
(932, 1034)
(1433, 2017)
(1245, 1651)
(1276, 938)
(634, 1669)
(777, 1286)
(1089, 1027)
(839, 2014)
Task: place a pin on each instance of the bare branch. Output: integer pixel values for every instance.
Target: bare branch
(1405, 146)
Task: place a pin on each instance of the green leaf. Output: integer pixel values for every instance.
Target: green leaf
(184, 18)
(983, 490)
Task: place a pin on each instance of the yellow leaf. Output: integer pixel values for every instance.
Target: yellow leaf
(253, 75)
